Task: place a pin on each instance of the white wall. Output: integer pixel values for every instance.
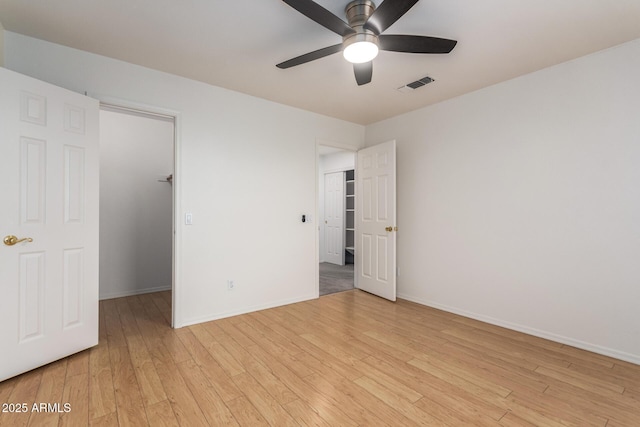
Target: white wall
(136, 210)
(245, 168)
(519, 204)
(334, 162)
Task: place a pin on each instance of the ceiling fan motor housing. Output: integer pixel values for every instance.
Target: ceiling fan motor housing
(358, 12)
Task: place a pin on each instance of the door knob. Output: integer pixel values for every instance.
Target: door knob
(12, 240)
(388, 228)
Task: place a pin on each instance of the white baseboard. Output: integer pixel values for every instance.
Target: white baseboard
(605, 351)
(131, 292)
(245, 310)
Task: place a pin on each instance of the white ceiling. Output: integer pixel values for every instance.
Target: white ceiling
(236, 44)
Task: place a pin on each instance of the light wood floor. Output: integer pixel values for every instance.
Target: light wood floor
(346, 359)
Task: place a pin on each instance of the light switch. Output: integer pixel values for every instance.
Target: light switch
(188, 218)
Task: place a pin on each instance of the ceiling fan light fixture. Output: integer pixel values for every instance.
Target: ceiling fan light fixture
(360, 52)
(360, 48)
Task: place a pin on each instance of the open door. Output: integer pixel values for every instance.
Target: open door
(376, 220)
(334, 218)
(48, 223)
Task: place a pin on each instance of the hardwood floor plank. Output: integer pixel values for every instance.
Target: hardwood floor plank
(458, 379)
(6, 388)
(304, 414)
(78, 364)
(211, 404)
(546, 404)
(268, 407)
(346, 359)
(160, 414)
(328, 411)
(245, 413)
(21, 398)
(343, 392)
(216, 375)
(102, 399)
(132, 416)
(114, 332)
(627, 370)
(455, 413)
(75, 393)
(184, 405)
(512, 420)
(50, 391)
(620, 409)
(606, 375)
(110, 420)
(161, 330)
(441, 391)
(363, 408)
(148, 380)
(580, 380)
(513, 377)
(224, 358)
(287, 345)
(125, 383)
(536, 417)
(512, 348)
(271, 383)
(413, 413)
(163, 305)
(632, 393)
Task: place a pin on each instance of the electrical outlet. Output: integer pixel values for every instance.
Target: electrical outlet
(230, 285)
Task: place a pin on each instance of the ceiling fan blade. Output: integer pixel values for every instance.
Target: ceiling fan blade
(363, 72)
(415, 44)
(388, 13)
(311, 56)
(322, 16)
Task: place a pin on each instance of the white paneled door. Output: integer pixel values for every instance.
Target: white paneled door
(376, 220)
(334, 217)
(48, 223)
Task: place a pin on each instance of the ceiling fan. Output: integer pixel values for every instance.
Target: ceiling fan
(362, 37)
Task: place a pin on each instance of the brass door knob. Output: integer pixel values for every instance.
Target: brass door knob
(388, 228)
(12, 240)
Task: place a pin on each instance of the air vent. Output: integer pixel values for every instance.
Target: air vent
(410, 87)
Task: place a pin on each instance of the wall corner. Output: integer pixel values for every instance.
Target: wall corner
(1, 45)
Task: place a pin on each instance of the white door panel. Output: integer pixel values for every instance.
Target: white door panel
(334, 217)
(49, 188)
(376, 220)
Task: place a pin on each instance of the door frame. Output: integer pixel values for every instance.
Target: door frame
(343, 147)
(124, 105)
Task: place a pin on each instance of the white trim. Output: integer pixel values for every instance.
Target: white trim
(605, 351)
(343, 169)
(129, 293)
(114, 103)
(195, 321)
(340, 145)
(316, 268)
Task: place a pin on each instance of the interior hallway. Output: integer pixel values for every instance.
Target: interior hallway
(335, 278)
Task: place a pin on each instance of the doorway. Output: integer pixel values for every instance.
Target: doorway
(336, 219)
(136, 202)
